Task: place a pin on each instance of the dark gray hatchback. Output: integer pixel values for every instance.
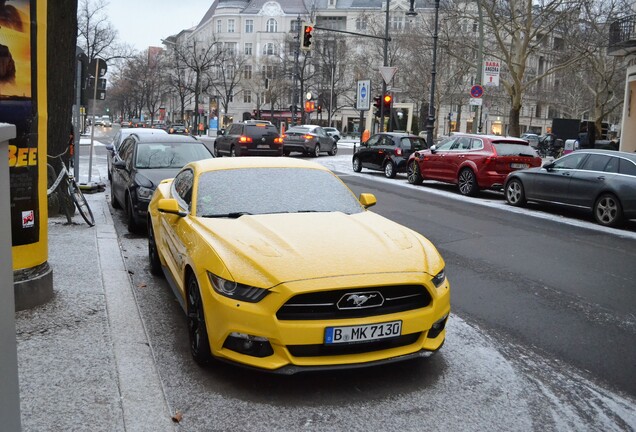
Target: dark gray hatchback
(602, 181)
(250, 138)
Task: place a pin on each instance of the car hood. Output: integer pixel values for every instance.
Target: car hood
(266, 250)
(150, 178)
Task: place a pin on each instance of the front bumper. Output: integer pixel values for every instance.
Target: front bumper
(299, 345)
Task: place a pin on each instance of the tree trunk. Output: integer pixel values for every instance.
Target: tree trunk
(515, 110)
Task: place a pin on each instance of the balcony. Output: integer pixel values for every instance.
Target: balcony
(622, 37)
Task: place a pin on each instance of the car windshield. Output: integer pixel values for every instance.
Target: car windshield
(234, 192)
(169, 155)
(514, 149)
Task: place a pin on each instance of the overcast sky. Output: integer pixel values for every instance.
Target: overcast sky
(143, 23)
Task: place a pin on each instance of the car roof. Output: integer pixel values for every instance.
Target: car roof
(400, 134)
(166, 138)
(626, 155)
(254, 162)
(490, 137)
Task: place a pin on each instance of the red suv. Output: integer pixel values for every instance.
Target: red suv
(472, 162)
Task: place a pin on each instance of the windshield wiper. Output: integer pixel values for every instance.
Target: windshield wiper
(232, 215)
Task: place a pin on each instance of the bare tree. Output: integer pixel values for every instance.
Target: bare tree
(96, 35)
(226, 75)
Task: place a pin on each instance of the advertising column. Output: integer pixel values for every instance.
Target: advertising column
(23, 102)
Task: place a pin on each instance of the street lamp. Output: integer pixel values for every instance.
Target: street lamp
(430, 124)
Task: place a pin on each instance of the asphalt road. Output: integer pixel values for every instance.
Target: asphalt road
(540, 338)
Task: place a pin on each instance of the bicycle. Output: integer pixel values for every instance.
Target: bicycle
(72, 190)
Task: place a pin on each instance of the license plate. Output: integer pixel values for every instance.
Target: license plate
(262, 146)
(362, 333)
(519, 165)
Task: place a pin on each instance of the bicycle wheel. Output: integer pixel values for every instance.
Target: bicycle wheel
(81, 203)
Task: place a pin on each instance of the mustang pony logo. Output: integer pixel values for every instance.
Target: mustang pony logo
(359, 300)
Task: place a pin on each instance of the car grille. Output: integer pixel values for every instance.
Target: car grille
(319, 350)
(323, 305)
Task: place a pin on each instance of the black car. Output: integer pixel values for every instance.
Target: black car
(603, 181)
(143, 161)
(113, 147)
(310, 140)
(388, 152)
(179, 129)
(250, 138)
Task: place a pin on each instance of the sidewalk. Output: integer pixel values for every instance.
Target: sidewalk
(84, 360)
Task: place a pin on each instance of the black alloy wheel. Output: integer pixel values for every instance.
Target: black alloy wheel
(608, 210)
(357, 165)
(153, 254)
(514, 193)
(413, 176)
(467, 183)
(389, 169)
(113, 200)
(197, 332)
(133, 226)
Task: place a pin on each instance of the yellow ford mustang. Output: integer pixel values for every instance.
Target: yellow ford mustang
(278, 266)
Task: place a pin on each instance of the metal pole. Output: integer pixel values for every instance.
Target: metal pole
(333, 72)
(76, 114)
(386, 62)
(430, 125)
(480, 65)
(295, 74)
(90, 156)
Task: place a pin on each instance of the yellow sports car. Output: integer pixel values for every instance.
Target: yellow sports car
(278, 266)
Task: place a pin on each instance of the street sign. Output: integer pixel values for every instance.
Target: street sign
(476, 101)
(362, 100)
(476, 91)
(491, 73)
(387, 73)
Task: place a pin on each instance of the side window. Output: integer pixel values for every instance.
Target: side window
(387, 141)
(182, 188)
(570, 161)
(464, 143)
(447, 145)
(405, 143)
(476, 144)
(126, 150)
(374, 140)
(612, 165)
(627, 167)
(235, 129)
(596, 162)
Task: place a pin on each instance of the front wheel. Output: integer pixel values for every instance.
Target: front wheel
(133, 226)
(467, 182)
(414, 176)
(153, 254)
(389, 169)
(608, 210)
(197, 332)
(80, 202)
(515, 194)
(357, 165)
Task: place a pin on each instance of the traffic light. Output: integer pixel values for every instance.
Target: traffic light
(387, 102)
(310, 106)
(377, 102)
(305, 37)
(319, 109)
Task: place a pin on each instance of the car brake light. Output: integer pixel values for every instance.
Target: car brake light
(284, 135)
(397, 152)
(308, 137)
(278, 140)
(245, 139)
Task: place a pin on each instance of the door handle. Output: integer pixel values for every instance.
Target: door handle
(600, 178)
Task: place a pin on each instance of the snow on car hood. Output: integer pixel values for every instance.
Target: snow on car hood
(289, 247)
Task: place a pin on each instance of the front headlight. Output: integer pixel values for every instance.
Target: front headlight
(439, 278)
(144, 193)
(235, 290)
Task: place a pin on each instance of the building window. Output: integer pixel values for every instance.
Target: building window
(247, 72)
(397, 22)
(294, 26)
(267, 71)
(230, 48)
(269, 49)
(272, 25)
(230, 26)
(248, 48)
(219, 26)
(247, 96)
(361, 23)
(249, 26)
(335, 23)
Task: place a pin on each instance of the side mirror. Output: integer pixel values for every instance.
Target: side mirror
(433, 148)
(170, 205)
(549, 166)
(220, 131)
(367, 200)
(110, 147)
(119, 164)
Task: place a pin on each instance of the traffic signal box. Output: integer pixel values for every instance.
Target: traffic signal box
(305, 37)
(310, 106)
(387, 101)
(377, 103)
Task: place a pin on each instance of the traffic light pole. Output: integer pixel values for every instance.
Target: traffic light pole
(385, 64)
(296, 68)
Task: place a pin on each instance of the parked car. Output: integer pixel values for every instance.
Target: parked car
(250, 138)
(143, 161)
(472, 162)
(178, 128)
(286, 271)
(388, 152)
(333, 133)
(308, 139)
(113, 147)
(603, 181)
(533, 139)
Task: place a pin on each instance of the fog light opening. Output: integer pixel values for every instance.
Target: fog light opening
(437, 327)
(255, 346)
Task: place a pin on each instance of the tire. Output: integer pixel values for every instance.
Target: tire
(197, 332)
(414, 176)
(80, 202)
(215, 151)
(514, 193)
(389, 170)
(467, 182)
(286, 152)
(131, 222)
(153, 253)
(316, 152)
(233, 152)
(608, 210)
(334, 149)
(113, 200)
(357, 165)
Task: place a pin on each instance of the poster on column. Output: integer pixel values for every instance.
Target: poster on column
(491, 73)
(18, 106)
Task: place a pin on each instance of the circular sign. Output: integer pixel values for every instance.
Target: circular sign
(308, 95)
(363, 92)
(476, 91)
